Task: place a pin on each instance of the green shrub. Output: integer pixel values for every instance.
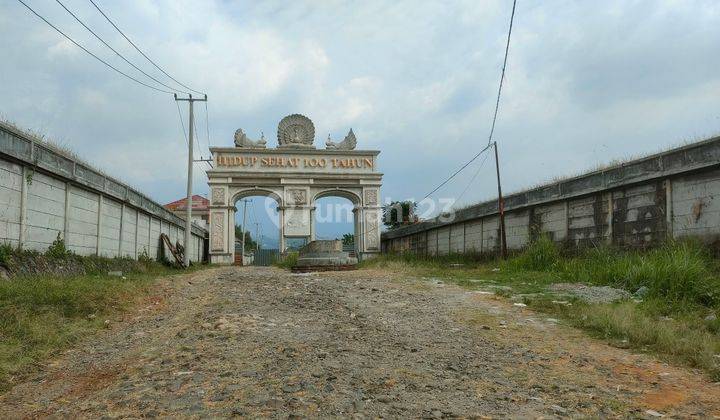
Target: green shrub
(6, 251)
(144, 258)
(57, 250)
(287, 261)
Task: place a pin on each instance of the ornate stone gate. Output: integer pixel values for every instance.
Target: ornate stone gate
(295, 175)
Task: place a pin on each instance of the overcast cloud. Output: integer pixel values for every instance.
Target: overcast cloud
(587, 82)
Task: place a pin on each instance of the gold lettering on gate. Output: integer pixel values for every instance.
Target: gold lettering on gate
(295, 162)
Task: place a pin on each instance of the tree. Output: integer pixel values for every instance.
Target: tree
(399, 213)
(348, 239)
(250, 244)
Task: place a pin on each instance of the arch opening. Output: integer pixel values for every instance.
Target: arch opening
(335, 217)
(257, 234)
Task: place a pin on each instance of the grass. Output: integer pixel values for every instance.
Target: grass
(681, 284)
(287, 261)
(43, 315)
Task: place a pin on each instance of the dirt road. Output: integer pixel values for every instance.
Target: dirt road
(263, 342)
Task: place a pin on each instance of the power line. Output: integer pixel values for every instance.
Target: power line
(182, 124)
(502, 74)
(111, 48)
(482, 162)
(207, 125)
(497, 105)
(457, 172)
(90, 53)
(140, 51)
(197, 139)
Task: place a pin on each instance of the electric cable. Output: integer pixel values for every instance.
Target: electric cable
(89, 52)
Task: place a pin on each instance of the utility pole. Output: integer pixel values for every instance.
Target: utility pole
(188, 205)
(242, 246)
(257, 238)
(501, 207)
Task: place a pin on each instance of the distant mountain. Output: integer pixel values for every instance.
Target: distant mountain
(269, 242)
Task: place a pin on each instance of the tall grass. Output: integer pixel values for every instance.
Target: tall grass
(680, 272)
(542, 255)
(41, 315)
(287, 261)
(673, 318)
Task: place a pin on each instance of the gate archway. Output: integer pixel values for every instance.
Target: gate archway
(295, 174)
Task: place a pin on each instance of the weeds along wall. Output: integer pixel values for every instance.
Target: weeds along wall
(639, 203)
(44, 192)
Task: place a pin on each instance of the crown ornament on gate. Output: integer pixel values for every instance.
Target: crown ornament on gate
(295, 131)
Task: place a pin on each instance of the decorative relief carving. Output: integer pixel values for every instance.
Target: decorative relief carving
(298, 196)
(218, 231)
(242, 140)
(371, 197)
(372, 230)
(347, 144)
(218, 196)
(297, 222)
(296, 131)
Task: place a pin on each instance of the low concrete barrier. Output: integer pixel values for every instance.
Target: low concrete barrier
(638, 203)
(44, 192)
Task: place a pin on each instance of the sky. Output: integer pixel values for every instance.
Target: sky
(587, 83)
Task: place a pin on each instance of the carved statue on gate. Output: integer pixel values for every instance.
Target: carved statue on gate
(242, 140)
(347, 144)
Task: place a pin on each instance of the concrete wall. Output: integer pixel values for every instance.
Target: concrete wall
(44, 193)
(636, 204)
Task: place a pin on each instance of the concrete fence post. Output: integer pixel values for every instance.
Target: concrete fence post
(137, 228)
(669, 209)
(66, 226)
(567, 220)
(98, 245)
(610, 218)
(23, 206)
(120, 235)
(482, 228)
(149, 244)
(450, 239)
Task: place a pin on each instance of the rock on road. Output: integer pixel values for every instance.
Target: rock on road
(259, 341)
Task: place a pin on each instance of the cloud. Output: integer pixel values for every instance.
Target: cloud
(586, 82)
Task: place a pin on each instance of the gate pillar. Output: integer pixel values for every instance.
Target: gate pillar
(222, 235)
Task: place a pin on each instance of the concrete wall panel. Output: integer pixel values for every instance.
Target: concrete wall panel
(588, 220)
(457, 238)
(155, 238)
(473, 236)
(517, 229)
(491, 234)
(432, 242)
(128, 232)
(82, 222)
(110, 228)
(45, 211)
(143, 235)
(696, 205)
(10, 195)
(443, 240)
(550, 219)
(639, 217)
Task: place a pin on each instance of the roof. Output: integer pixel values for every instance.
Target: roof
(198, 203)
